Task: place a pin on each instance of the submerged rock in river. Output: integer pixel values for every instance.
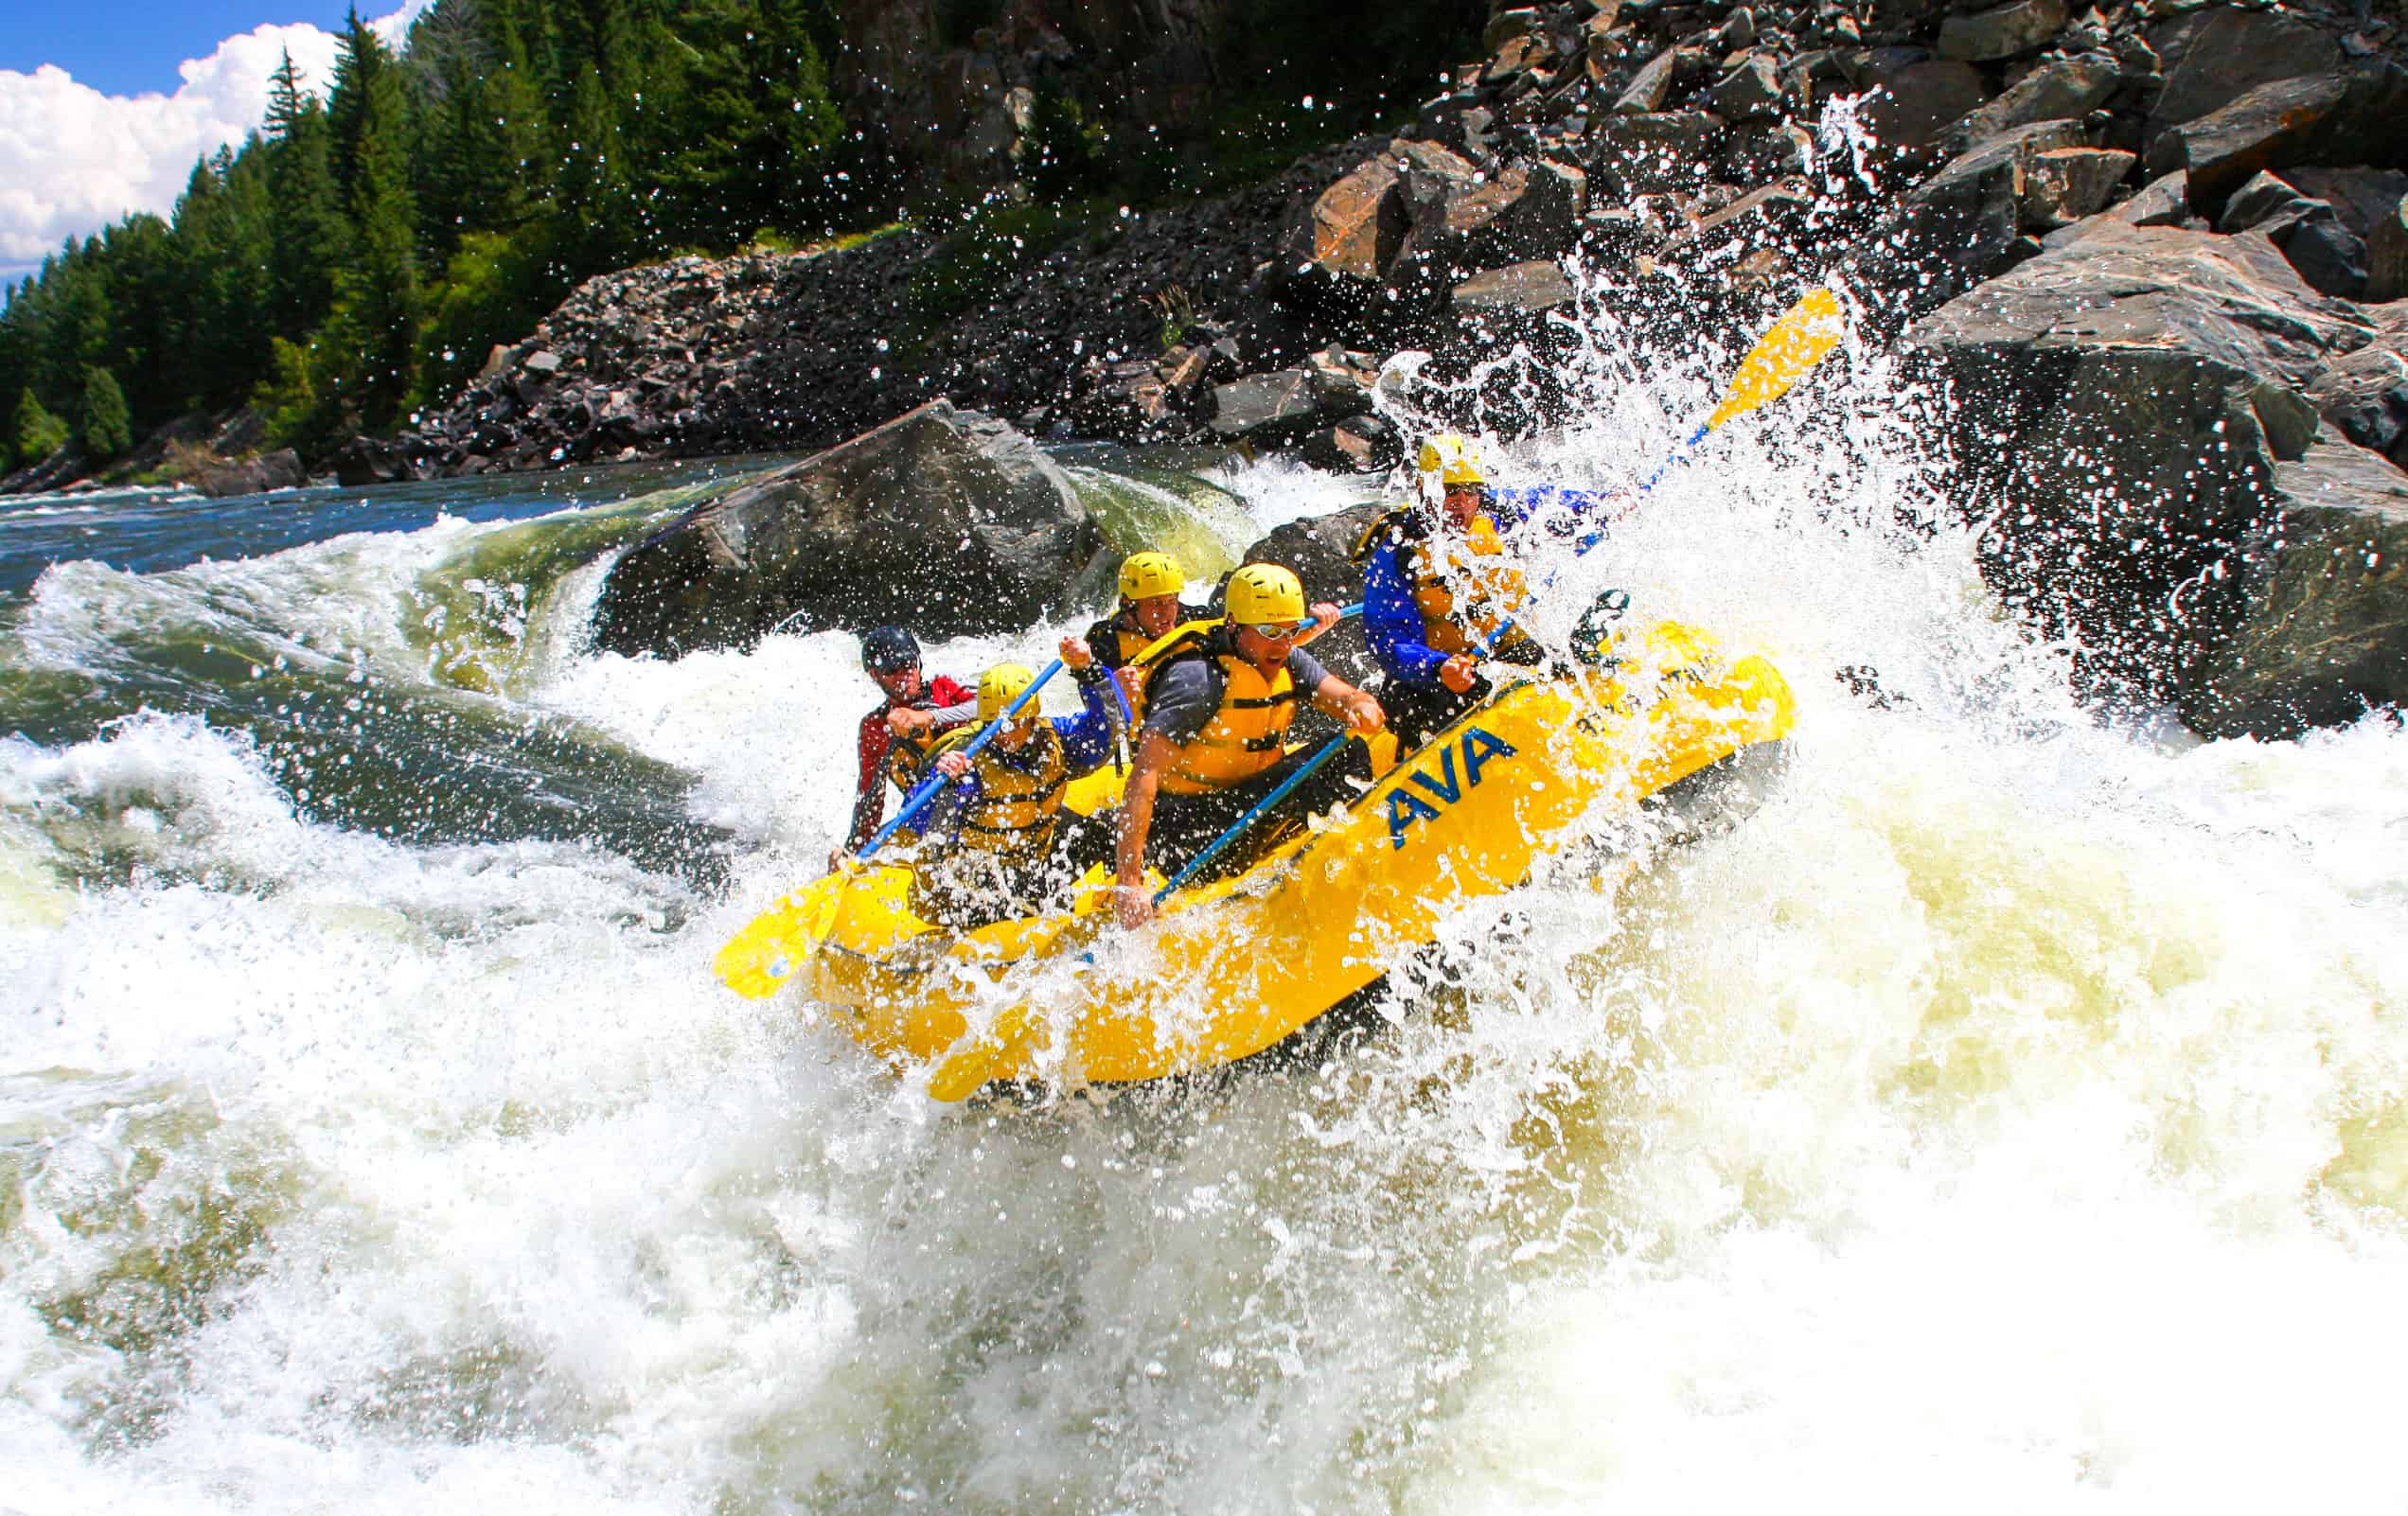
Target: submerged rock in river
(947, 521)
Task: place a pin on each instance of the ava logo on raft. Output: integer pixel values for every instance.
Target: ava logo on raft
(1405, 807)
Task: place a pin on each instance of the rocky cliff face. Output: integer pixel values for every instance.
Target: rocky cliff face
(2162, 234)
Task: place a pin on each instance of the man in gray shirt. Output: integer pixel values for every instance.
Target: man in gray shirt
(1212, 746)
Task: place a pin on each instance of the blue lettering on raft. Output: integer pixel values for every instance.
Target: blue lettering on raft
(1405, 807)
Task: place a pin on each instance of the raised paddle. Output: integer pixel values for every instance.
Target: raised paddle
(1803, 337)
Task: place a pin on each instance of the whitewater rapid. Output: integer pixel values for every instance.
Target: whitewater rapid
(2011, 1115)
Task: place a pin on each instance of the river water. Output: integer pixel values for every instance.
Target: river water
(2010, 1116)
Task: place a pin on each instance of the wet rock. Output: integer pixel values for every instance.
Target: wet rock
(2322, 636)
(2213, 57)
(1769, 216)
(2364, 396)
(2360, 196)
(2067, 184)
(1671, 69)
(1752, 90)
(2326, 253)
(2164, 202)
(279, 469)
(1958, 228)
(2002, 32)
(373, 461)
(1462, 223)
(948, 521)
(2268, 127)
(1360, 445)
(2387, 255)
(2063, 89)
(1654, 154)
(1518, 290)
(1920, 100)
(2127, 397)
(1267, 408)
(1777, 153)
(1510, 25)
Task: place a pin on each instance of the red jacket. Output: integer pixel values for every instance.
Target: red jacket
(869, 796)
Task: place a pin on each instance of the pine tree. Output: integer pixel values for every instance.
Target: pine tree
(379, 291)
(105, 424)
(309, 232)
(38, 433)
(597, 211)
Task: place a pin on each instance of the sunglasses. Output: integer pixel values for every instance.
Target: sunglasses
(1274, 634)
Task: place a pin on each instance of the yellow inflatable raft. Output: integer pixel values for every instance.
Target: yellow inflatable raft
(1235, 966)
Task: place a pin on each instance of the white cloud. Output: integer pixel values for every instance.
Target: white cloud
(72, 159)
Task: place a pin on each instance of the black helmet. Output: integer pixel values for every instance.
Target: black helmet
(889, 651)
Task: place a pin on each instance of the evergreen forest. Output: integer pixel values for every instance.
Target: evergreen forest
(362, 252)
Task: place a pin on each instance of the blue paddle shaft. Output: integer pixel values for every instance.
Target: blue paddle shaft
(1329, 751)
(925, 789)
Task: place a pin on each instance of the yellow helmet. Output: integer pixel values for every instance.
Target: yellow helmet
(999, 686)
(1449, 458)
(1261, 592)
(1144, 575)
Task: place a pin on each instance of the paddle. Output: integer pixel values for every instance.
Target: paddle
(1803, 337)
(759, 960)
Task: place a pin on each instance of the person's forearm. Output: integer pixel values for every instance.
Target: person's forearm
(1137, 820)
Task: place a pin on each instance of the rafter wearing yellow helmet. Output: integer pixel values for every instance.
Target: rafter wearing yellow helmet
(994, 844)
(1221, 696)
(1150, 583)
(1441, 576)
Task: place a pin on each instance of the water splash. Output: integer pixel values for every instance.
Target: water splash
(2013, 1105)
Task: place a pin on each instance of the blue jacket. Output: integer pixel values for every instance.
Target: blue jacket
(1392, 624)
(1088, 740)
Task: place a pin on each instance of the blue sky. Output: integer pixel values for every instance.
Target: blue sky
(105, 105)
(132, 46)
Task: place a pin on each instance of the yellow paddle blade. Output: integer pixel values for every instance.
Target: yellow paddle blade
(1803, 337)
(763, 957)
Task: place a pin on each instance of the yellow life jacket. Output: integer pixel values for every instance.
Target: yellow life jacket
(1247, 733)
(1015, 807)
(1475, 562)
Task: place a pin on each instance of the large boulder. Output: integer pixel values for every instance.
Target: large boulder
(946, 520)
(1653, 154)
(1961, 227)
(2213, 56)
(1468, 223)
(2127, 399)
(2364, 394)
(2323, 635)
(219, 478)
(2063, 89)
(2387, 253)
(1917, 101)
(2002, 32)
